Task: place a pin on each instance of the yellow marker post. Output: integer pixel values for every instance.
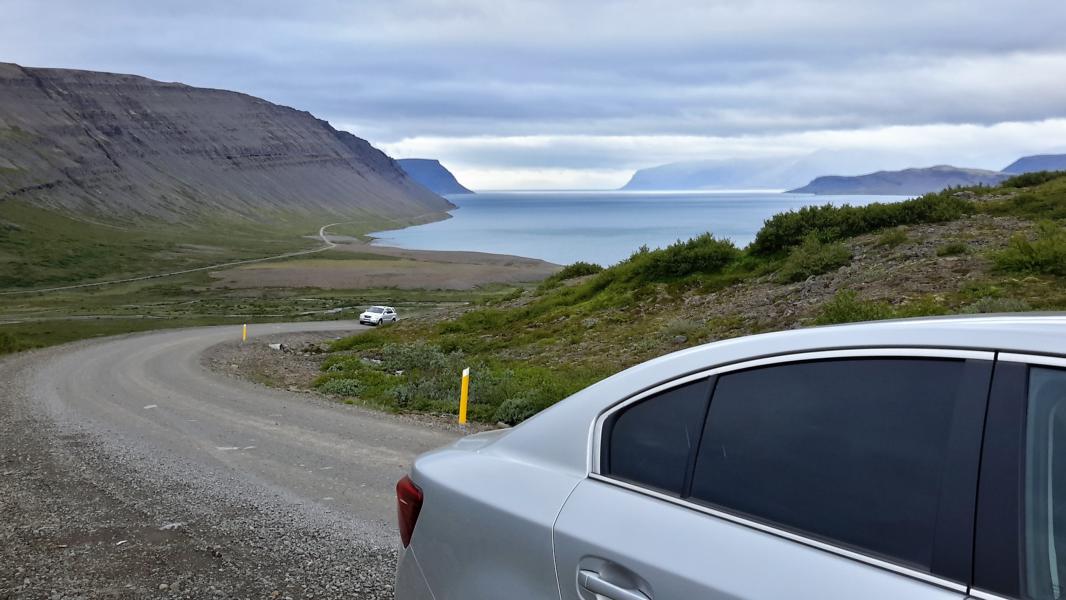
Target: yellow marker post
(244, 333)
(464, 395)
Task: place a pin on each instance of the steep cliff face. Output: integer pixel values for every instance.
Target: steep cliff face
(127, 147)
(433, 175)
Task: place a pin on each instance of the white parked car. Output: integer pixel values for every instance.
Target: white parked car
(917, 460)
(376, 315)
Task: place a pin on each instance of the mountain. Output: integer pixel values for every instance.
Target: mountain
(907, 182)
(433, 175)
(1040, 162)
(126, 147)
(761, 173)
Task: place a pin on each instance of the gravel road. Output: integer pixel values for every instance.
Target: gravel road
(128, 469)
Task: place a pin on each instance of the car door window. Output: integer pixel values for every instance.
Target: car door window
(856, 452)
(1044, 530)
(653, 441)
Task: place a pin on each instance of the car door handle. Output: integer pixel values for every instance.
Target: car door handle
(591, 581)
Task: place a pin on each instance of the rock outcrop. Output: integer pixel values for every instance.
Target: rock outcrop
(126, 147)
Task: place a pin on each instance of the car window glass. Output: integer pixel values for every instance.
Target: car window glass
(652, 441)
(1044, 570)
(851, 451)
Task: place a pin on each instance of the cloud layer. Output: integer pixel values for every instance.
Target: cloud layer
(577, 93)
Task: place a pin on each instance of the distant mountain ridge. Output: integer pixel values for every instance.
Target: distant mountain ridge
(128, 147)
(1038, 162)
(433, 175)
(905, 182)
(783, 172)
(848, 177)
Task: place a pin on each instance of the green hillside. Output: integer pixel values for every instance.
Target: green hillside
(981, 249)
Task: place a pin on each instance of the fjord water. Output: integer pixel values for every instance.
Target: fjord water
(600, 227)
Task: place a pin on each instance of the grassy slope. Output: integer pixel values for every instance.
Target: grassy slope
(44, 248)
(33, 321)
(972, 250)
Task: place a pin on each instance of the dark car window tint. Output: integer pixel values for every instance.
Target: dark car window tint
(852, 451)
(651, 441)
(1044, 571)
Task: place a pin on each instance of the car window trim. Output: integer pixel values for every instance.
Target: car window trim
(1004, 475)
(596, 446)
(596, 432)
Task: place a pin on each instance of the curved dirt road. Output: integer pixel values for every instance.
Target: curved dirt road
(127, 465)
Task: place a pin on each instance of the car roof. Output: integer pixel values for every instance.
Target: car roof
(559, 435)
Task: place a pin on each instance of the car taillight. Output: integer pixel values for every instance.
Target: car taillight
(408, 505)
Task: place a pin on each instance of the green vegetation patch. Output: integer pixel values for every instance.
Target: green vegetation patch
(1046, 254)
(847, 307)
(571, 271)
(952, 249)
(892, 238)
(833, 223)
(523, 355)
(425, 377)
(813, 257)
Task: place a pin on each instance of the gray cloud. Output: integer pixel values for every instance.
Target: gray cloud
(472, 69)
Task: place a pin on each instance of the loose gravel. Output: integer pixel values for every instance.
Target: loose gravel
(81, 517)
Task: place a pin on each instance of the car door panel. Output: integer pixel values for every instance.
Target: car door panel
(679, 552)
(853, 476)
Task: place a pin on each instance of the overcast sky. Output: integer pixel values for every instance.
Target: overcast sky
(579, 93)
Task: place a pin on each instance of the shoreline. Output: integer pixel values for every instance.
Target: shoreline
(368, 266)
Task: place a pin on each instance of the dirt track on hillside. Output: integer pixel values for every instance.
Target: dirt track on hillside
(382, 267)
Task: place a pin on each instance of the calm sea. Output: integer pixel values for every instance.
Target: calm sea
(601, 227)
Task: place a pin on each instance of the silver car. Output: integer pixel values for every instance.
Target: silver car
(376, 315)
(921, 459)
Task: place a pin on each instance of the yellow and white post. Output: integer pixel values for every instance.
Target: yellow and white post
(464, 396)
(244, 333)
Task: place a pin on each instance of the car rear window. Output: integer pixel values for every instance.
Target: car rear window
(852, 451)
(652, 441)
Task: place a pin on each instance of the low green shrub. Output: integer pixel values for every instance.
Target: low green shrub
(10, 343)
(846, 307)
(1046, 254)
(477, 320)
(952, 249)
(689, 328)
(832, 223)
(997, 305)
(514, 410)
(571, 271)
(340, 387)
(701, 255)
(1032, 179)
(1036, 204)
(813, 257)
(892, 238)
(577, 269)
